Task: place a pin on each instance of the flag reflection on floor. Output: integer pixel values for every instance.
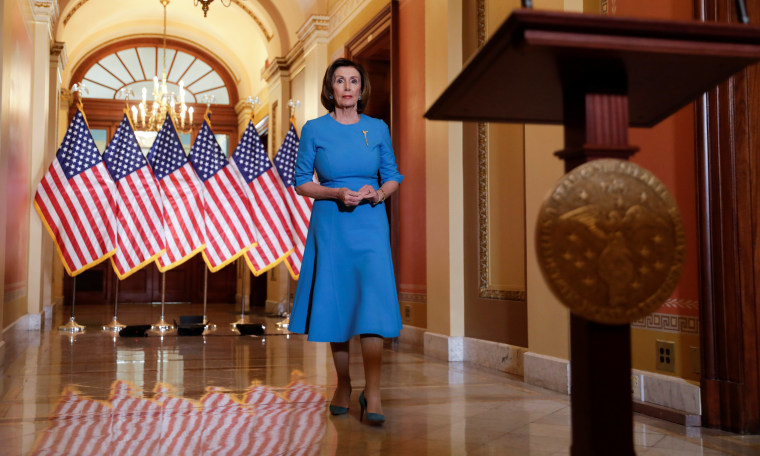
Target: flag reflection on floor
(261, 421)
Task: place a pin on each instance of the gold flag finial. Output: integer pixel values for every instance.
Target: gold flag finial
(293, 104)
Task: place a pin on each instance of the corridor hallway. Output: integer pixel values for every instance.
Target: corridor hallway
(224, 394)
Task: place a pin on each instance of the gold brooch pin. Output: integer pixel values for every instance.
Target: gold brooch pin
(365, 136)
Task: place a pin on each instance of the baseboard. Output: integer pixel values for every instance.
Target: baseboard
(667, 414)
(47, 312)
(547, 372)
(28, 322)
(495, 355)
(411, 339)
(443, 347)
(669, 398)
(669, 392)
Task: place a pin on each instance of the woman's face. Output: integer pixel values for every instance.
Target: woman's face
(347, 86)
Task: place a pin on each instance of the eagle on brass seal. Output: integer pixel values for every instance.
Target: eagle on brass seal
(610, 241)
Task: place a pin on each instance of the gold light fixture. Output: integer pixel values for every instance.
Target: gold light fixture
(206, 3)
(151, 118)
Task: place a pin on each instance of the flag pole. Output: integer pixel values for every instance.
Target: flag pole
(292, 105)
(286, 321)
(205, 292)
(115, 326)
(72, 325)
(242, 320)
(162, 326)
(209, 326)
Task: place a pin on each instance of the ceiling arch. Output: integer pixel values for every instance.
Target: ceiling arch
(243, 37)
(132, 63)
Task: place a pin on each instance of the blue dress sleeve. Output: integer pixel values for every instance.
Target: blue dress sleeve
(305, 159)
(388, 169)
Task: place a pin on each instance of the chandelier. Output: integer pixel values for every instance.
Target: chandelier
(206, 3)
(151, 118)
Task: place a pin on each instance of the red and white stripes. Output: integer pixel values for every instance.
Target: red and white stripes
(182, 200)
(272, 223)
(227, 215)
(140, 233)
(79, 214)
(300, 213)
(264, 421)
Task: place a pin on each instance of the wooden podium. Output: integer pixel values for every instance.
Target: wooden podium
(596, 75)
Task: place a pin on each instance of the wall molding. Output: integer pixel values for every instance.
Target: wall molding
(668, 323)
(412, 297)
(484, 286)
(342, 14)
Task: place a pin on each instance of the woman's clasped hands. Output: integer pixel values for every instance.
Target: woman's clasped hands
(354, 198)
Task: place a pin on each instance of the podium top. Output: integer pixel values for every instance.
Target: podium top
(525, 68)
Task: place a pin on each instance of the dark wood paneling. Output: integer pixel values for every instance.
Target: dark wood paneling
(728, 170)
(183, 284)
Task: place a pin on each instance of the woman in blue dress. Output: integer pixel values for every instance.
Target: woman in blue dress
(347, 286)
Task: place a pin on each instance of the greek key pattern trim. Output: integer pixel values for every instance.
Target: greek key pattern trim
(668, 323)
(413, 297)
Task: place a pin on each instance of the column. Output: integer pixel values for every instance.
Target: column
(444, 187)
(39, 266)
(57, 62)
(314, 35)
(277, 77)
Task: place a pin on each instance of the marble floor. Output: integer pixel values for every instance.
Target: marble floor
(225, 394)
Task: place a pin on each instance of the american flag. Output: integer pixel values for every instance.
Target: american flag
(227, 212)
(76, 200)
(181, 198)
(269, 205)
(299, 206)
(139, 222)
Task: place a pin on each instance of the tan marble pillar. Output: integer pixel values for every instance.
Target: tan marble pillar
(314, 35)
(444, 187)
(41, 249)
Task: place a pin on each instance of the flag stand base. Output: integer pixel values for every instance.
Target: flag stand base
(210, 327)
(284, 323)
(162, 326)
(71, 327)
(243, 320)
(114, 326)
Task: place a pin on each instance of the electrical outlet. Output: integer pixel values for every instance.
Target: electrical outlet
(407, 312)
(666, 355)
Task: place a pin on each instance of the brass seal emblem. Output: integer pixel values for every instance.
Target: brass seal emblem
(610, 241)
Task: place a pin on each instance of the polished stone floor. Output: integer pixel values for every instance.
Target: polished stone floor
(225, 394)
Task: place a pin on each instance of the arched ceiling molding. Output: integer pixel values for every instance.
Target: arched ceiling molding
(81, 69)
(264, 29)
(229, 36)
(277, 21)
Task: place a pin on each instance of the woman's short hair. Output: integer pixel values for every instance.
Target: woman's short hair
(328, 97)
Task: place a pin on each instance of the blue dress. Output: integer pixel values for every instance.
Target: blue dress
(346, 286)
